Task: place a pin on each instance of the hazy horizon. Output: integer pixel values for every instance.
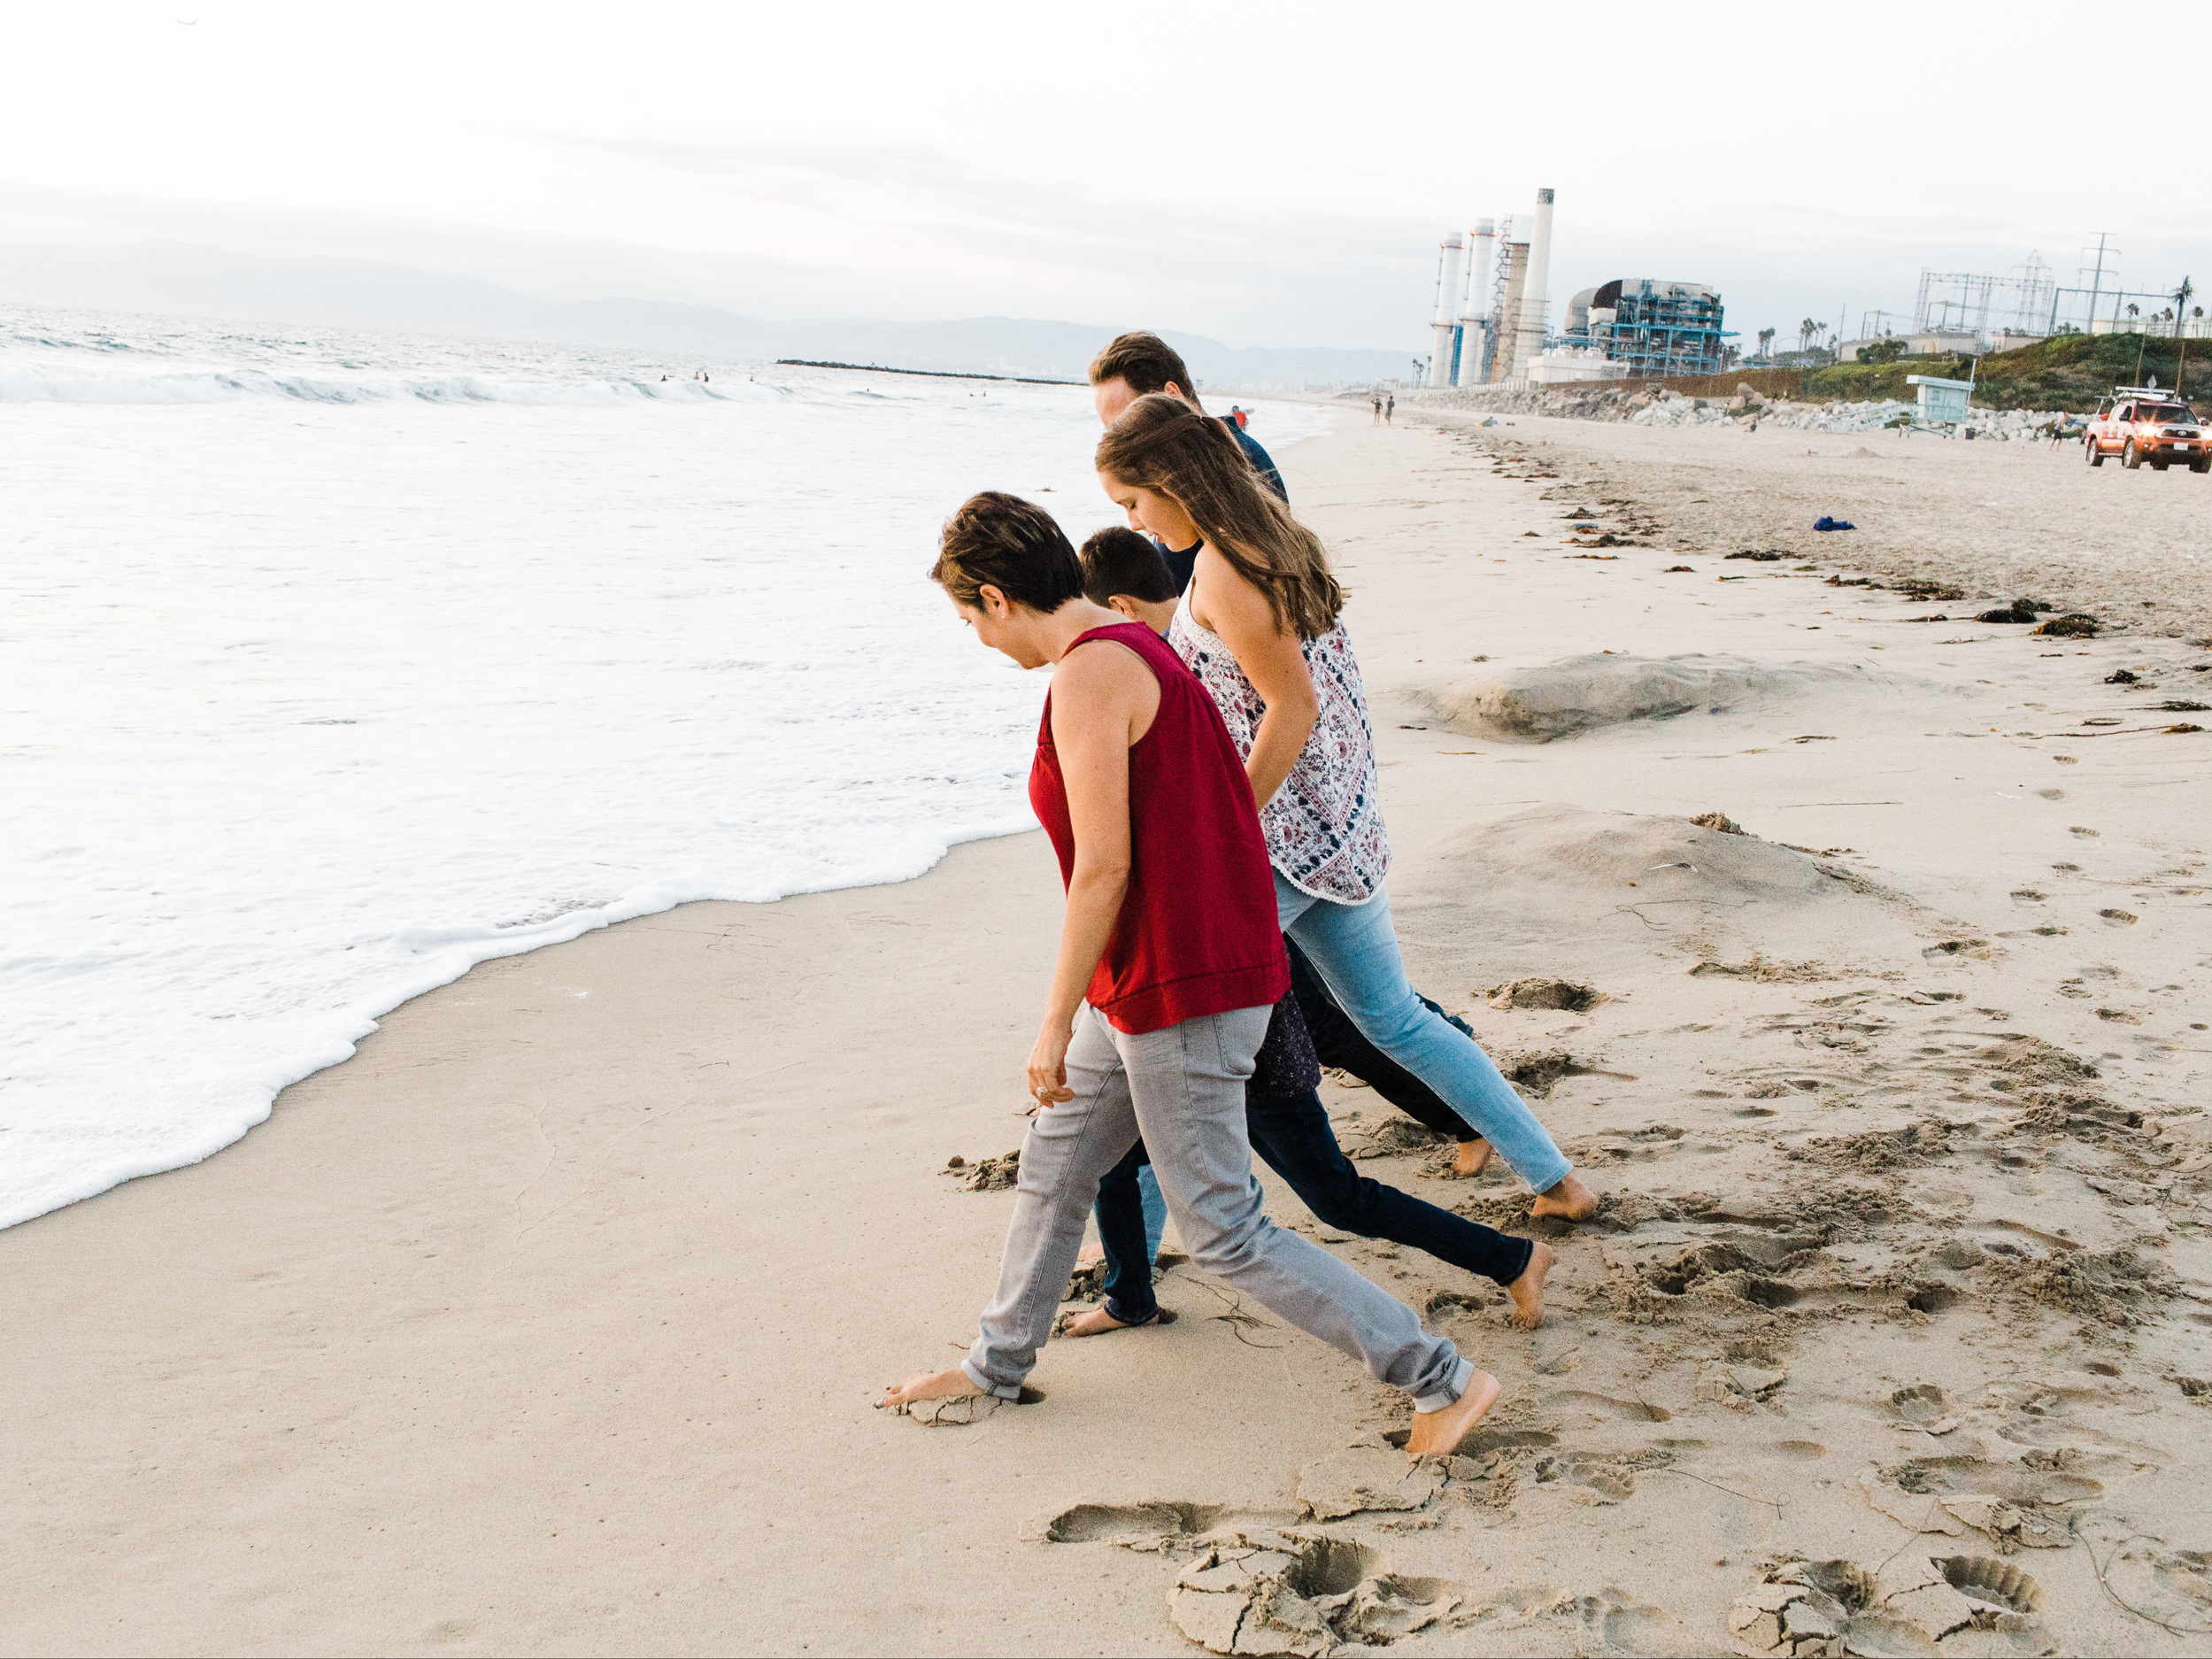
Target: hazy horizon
(1283, 186)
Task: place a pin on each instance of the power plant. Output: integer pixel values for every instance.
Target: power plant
(1651, 326)
(1489, 325)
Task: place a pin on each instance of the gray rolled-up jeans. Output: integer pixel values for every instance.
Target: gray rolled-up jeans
(1183, 1089)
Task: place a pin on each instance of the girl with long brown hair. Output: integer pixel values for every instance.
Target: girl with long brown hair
(1260, 624)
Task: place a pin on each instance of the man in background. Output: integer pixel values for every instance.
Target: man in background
(1138, 365)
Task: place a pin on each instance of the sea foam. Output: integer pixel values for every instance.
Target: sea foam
(310, 702)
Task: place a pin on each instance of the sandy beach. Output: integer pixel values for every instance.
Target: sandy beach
(551, 1321)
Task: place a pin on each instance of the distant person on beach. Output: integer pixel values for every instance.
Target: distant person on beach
(1169, 966)
(1260, 625)
(1288, 1125)
(1389, 407)
(1377, 399)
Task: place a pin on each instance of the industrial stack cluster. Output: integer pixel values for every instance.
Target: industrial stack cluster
(1489, 328)
(1490, 301)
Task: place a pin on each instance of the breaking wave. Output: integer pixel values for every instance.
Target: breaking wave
(57, 384)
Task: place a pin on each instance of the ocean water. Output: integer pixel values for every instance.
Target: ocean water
(332, 664)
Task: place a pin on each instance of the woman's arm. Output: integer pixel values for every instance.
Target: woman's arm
(1104, 698)
(1272, 658)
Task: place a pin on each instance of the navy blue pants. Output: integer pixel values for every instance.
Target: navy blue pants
(1293, 1135)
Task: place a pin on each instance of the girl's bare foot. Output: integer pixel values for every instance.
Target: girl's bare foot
(1528, 1290)
(1569, 1200)
(927, 1386)
(1474, 1159)
(1439, 1433)
(1097, 1322)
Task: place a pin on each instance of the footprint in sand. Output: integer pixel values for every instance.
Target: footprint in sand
(2017, 1506)
(2174, 1585)
(1613, 1621)
(1922, 1409)
(1133, 1525)
(1362, 1479)
(1264, 1592)
(1839, 1606)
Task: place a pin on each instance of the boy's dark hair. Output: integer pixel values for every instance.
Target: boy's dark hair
(1146, 361)
(1122, 561)
(1012, 545)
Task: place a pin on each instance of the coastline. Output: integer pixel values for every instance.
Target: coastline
(392, 686)
(550, 1321)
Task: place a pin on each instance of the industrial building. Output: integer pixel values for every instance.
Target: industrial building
(1649, 326)
(1489, 320)
(1488, 328)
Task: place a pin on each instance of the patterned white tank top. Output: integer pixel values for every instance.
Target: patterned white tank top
(1324, 827)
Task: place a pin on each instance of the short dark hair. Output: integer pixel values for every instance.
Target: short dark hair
(1012, 545)
(1122, 561)
(1146, 361)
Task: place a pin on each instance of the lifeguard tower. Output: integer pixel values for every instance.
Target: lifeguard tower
(1943, 403)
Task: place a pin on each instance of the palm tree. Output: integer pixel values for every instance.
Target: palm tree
(1806, 330)
(2181, 299)
(1766, 339)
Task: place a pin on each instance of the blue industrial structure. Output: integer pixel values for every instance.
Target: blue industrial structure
(1654, 328)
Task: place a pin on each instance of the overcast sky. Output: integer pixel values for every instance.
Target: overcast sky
(1270, 175)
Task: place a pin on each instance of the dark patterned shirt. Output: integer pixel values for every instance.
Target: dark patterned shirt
(1285, 1064)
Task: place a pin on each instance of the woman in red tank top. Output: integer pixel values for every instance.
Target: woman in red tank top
(1170, 962)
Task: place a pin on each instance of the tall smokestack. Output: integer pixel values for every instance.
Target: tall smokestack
(1532, 291)
(1446, 325)
(1514, 257)
(1474, 315)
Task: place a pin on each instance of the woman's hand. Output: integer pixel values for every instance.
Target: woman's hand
(1048, 1064)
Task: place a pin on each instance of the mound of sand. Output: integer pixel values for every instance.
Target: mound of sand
(1564, 860)
(1575, 694)
(1561, 892)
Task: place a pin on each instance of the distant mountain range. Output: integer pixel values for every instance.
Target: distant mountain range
(196, 279)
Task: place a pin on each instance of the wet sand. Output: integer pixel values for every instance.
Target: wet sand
(551, 1321)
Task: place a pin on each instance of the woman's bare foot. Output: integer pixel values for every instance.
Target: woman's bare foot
(1439, 1433)
(1473, 1160)
(1569, 1200)
(950, 1384)
(1092, 1251)
(1528, 1290)
(1097, 1322)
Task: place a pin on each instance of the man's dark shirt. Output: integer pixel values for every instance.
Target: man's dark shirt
(1181, 560)
(1262, 463)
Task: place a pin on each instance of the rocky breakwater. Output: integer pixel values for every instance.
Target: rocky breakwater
(1642, 404)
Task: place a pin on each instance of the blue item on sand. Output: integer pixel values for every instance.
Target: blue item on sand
(1824, 522)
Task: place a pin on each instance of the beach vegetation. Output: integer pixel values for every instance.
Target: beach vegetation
(2070, 370)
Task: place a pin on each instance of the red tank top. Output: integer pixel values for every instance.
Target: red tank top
(1196, 934)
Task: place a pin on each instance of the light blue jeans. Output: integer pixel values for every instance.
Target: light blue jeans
(1354, 949)
(1155, 1211)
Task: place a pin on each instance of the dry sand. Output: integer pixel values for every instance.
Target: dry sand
(551, 1321)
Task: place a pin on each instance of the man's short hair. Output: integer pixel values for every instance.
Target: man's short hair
(1122, 561)
(1146, 361)
(1015, 547)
